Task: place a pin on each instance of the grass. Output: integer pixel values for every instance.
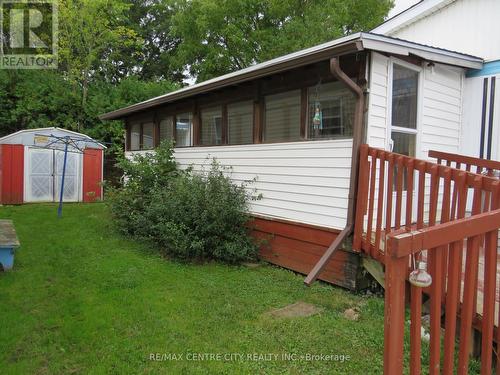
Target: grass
(84, 300)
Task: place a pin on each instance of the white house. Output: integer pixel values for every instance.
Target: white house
(295, 124)
(470, 27)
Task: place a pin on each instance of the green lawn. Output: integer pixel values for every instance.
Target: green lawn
(82, 299)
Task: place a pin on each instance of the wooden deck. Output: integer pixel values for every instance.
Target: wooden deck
(411, 210)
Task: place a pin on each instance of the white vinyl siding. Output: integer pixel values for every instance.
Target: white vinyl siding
(441, 109)
(378, 101)
(467, 26)
(307, 182)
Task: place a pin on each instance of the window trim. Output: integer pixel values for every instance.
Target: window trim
(390, 128)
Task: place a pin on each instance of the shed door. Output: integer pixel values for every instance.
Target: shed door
(40, 177)
(44, 174)
(71, 176)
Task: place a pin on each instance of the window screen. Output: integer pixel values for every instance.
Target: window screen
(148, 130)
(135, 137)
(211, 126)
(331, 111)
(282, 118)
(404, 97)
(240, 123)
(183, 129)
(166, 128)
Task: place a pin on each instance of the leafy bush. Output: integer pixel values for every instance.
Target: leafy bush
(191, 216)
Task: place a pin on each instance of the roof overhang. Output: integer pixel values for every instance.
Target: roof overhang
(342, 46)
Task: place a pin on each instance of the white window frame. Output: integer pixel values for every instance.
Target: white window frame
(390, 128)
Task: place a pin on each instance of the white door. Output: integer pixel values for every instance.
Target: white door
(43, 175)
(39, 175)
(71, 177)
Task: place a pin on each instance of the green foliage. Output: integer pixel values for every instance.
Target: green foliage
(218, 37)
(191, 216)
(113, 53)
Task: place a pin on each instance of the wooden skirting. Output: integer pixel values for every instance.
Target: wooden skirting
(299, 247)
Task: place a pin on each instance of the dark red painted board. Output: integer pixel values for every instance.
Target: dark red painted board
(92, 174)
(12, 174)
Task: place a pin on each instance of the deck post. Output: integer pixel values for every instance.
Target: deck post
(394, 314)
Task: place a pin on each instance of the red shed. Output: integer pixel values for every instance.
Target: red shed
(31, 172)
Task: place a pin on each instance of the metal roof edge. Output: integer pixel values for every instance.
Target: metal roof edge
(362, 40)
(49, 128)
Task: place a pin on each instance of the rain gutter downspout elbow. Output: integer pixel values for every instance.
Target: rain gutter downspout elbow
(338, 73)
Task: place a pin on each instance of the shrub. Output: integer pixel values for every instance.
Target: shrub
(188, 215)
(143, 175)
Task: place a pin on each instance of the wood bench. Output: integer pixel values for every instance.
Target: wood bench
(8, 244)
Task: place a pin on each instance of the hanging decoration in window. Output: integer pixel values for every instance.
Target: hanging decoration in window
(318, 114)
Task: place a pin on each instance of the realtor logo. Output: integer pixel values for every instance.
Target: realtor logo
(28, 34)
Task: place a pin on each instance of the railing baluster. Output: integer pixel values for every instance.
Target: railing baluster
(435, 265)
(490, 284)
(409, 194)
(399, 192)
(380, 204)
(421, 194)
(388, 211)
(454, 281)
(415, 330)
(470, 286)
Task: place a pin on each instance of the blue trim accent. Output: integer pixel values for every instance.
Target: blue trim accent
(489, 68)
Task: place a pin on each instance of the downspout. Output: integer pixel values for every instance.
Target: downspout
(357, 139)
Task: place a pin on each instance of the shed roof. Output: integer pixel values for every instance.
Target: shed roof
(348, 44)
(26, 136)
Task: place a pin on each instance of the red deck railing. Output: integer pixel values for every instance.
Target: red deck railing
(410, 209)
(467, 163)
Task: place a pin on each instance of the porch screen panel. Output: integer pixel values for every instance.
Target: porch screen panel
(183, 129)
(148, 130)
(211, 126)
(135, 137)
(330, 111)
(240, 123)
(166, 128)
(282, 118)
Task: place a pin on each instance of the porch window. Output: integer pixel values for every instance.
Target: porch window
(183, 129)
(167, 128)
(240, 123)
(148, 129)
(282, 117)
(211, 126)
(135, 137)
(404, 110)
(330, 111)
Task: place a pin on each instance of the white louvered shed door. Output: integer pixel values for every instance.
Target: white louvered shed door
(71, 176)
(39, 175)
(43, 175)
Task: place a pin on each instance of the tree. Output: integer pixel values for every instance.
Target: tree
(93, 35)
(220, 36)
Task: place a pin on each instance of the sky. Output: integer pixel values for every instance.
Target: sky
(401, 5)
